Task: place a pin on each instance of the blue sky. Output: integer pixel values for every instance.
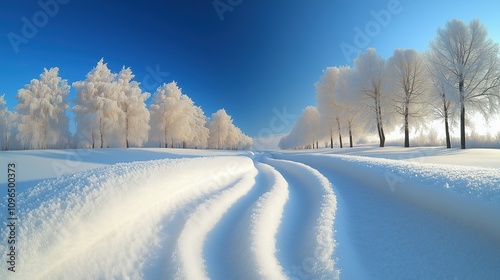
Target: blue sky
(260, 62)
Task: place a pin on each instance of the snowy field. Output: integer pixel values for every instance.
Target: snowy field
(361, 213)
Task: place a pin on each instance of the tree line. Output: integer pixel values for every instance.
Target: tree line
(458, 76)
(110, 111)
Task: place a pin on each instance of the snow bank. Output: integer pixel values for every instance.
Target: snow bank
(101, 223)
(245, 215)
(470, 195)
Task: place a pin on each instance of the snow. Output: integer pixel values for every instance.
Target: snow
(361, 213)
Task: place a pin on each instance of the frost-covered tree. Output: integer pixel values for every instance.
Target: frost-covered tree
(166, 113)
(199, 130)
(131, 101)
(338, 105)
(223, 134)
(472, 62)
(11, 135)
(244, 142)
(176, 120)
(6, 118)
(442, 96)
(330, 111)
(110, 109)
(305, 131)
(442, 105)
(370, 77)
(349, 101)
(196, 133)
(42, 107)
(409, 87)
(97, 110)
(219, 129)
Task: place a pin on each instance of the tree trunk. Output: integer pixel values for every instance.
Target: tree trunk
(331, 138)
(462, 112)
(382, 139)
(102, 139)
(446, 126)
(101, 132)
(407, 131)
(6, 146)
(381, 135)
(340, 135)
(462, 127)
(378, 112)
(166, 139)
(45, 128)
(126, 133)
(350, 138)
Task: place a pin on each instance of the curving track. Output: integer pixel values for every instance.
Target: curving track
(269, 216)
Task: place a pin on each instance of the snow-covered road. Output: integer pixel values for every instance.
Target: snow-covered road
(260, 216)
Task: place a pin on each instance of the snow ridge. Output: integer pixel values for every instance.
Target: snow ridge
(192, 239)
(69, 221)
(265, 220)
(260, 216)
(318, 243)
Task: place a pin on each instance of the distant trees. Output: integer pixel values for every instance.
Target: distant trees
(371, 77)
(110, 111)
(42, 107)
(461, 70)
(176, 120)
(305, 131)
(132, 102)
(5, 124)
(166, 112)
(339, 104)
(349, 100)
(330, 112)
(223, 134)
(472, 62)
(96, 111)
(441, 95)
(408, 72)
(458, 76)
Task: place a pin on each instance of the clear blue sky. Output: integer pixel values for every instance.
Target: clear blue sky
(263, 55)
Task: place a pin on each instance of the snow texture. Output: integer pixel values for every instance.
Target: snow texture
(195, 214)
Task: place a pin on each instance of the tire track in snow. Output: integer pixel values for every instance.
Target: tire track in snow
(101, 223)
(385, 236)
(174, 225)
(243, 245)
(189, 252)
(306, 239)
